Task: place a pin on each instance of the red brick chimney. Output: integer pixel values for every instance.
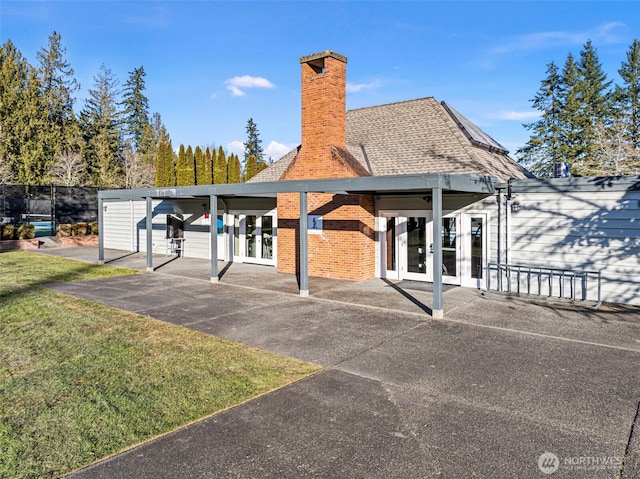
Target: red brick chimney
(324, 117)
(345, 248)
(324, 128)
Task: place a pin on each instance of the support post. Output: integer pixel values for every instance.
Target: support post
(304, 249)
(213, 214)
(100, 230)
(149, 234)
(437, 311)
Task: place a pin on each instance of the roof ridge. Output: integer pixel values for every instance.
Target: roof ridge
(393, 103)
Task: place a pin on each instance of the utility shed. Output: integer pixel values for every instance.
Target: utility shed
(579, 224)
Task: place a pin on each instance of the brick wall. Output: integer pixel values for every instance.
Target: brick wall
(346, 247)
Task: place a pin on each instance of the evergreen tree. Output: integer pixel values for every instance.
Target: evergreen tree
(184, 167)
(101, 129)
(628, 101)
(14, 79)
(233, 169)
(207, 176)
(165, 165)
(153, 133)
(136, 108)
(33, 162)
(262, 165)
(570, 147)
(57, 88)
(253, 145)
(543, 147)
(201, 168)
(250, 168)
(595, 106)
(220, 169)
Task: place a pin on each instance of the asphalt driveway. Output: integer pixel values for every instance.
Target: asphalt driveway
(499, 388)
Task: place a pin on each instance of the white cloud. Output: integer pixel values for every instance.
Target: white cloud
(276, 150)
(273, 150)
(518, 115)
(357, 87)
(236, 85)
(236, 147)
(605, 33)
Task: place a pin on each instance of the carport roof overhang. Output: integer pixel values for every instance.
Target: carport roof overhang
(380, 185)
(433, 184)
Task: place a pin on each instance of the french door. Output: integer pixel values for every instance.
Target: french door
(408, 247)
(254, 238)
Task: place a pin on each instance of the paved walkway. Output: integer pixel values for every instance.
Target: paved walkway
(483, 393)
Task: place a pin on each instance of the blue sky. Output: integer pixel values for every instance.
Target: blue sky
(213, 65)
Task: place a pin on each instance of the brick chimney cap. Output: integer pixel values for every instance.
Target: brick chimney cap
(324, 54)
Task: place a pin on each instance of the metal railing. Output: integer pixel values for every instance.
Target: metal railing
(545, 282)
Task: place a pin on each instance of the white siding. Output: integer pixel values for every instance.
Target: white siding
(125, 225)
(118, 227)
(594, 231)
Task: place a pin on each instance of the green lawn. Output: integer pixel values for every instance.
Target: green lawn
(80, 381)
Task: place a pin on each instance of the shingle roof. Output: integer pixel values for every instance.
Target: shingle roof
(417, 136)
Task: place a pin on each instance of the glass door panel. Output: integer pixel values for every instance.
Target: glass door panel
(477, 253)
(236, 235)
(251, 236)
(416, 245)
(449, 251)
(267, 237)
(391, 244)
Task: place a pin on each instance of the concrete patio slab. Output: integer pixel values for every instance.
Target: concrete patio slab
(483, 393)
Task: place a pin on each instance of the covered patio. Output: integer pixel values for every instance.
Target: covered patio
(433, 185)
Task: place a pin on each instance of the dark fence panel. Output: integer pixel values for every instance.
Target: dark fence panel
(75, 204)
(47, 205)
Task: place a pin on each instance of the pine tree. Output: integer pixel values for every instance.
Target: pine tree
(595, 106)
(628, 103)
(543, 147)
(101, 128)
(253, 145)
(14, 82)
(153, 133)
(57, 88)
(136, 108)
(220, 169)
(571, 145)
(234, 173)
(33, 163)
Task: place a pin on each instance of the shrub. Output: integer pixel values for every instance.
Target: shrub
(7, 232)
(82, 229)
(94, 229)
(63, 230)
(26, 231)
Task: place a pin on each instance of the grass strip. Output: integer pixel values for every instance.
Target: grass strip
(80, 381)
